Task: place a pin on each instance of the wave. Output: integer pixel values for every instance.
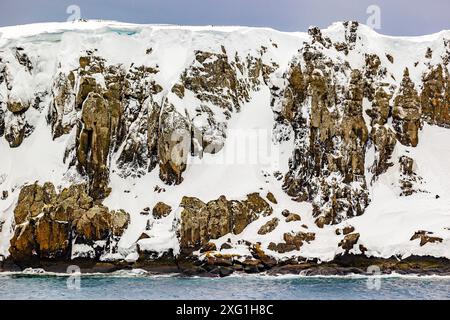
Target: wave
(141, 273)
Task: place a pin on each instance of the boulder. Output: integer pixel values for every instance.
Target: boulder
(349, 241)
(269, 226)
(293, 217)
(161, 210)
(17, 106)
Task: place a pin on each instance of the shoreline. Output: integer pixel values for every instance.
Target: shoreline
(342, 266)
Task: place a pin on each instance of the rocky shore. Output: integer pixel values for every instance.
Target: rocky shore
(341, 266)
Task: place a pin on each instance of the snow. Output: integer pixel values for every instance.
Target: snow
(379, 225)
(236, 170)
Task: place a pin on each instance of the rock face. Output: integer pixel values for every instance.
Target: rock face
(344, 111)
(330, 135)
(407, 112)
(435, 96)
(173, 145)
(48, 224)
(94, 142)
(201, 222)
(292, 241)
(425, 237)
(161, 210)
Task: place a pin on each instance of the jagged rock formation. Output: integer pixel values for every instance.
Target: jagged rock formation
(407, 112)
(435, 96)
(201, 221)
(113, 107)
(49, 224)
(331, 135)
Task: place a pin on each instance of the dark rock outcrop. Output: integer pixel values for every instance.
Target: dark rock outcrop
(48, 223)
(425, 237)
(407, 112)
(201, 222)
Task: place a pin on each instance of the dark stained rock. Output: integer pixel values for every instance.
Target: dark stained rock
(271, 198)
(201, 222)
(47, 222)
(293, 217)
(349, 241)
(435, 96)
(348, 229)
(269, 226)
(161, 210)
(407, 112)
(425, 237)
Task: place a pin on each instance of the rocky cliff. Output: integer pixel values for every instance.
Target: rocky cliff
(131, 143)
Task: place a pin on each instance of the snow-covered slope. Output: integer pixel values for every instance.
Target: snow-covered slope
(286, 115)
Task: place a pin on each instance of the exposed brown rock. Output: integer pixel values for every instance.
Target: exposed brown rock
(211, 76)
(406, 165)
(161, 210)
(384, 140)
(425, 237)
(408, 178)
(174, 145)
(435, 96)
(16, 106)
(257, 204)
(98, 119)
(281, 247)
(292, 241)
(47, 222)
(380, 107)
(226, 246)
(208, 247)
(269, 226)
(220, 218)
(63, 105)
(271, 197)
(143, 236)
(201, 222)
(293, 217)
(178, 89)
(349, 241)
(348, 229)
(87, 85)
(314, 159)
(390, 58)
(15, 130)
(407, 112)
(52, 237)
(259, 254)
(2, 122)
(32, 200)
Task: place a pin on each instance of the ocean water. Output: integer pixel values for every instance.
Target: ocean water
(138, 285)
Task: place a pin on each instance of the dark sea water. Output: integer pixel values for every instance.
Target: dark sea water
(142, 286)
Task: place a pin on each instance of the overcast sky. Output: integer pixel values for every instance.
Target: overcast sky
(398, 17)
